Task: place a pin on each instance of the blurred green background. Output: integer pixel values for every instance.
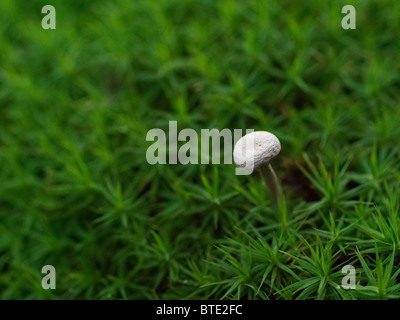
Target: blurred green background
(77, 193)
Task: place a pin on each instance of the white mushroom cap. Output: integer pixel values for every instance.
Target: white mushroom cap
(255, 149)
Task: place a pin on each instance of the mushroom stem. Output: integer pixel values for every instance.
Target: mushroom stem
(271, 180)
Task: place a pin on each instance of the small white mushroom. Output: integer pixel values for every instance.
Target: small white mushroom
(255, 151)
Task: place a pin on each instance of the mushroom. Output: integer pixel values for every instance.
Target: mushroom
(254, 151)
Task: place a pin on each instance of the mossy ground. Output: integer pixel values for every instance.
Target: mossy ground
(77, 193)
